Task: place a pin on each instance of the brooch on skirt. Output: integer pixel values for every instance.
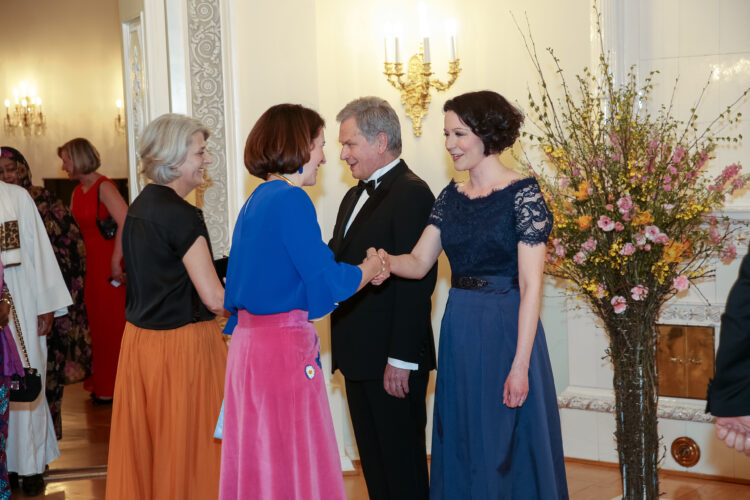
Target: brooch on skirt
(310, 371)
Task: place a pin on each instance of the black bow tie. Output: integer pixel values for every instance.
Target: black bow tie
(368, 186)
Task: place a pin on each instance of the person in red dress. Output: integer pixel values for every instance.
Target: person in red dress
(104, 290)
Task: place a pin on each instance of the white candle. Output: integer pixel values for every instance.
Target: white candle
(453, 48)
(426, 43)
(398, 57)
(385, 48)
(7, 104)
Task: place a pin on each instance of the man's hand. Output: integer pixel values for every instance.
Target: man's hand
(396, 381)
(44, 322)
(735, 432)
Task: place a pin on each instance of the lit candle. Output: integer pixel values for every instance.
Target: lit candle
(450, 29)
(398, 58)
(7, 104)
(385, 48)
(453, 48)
(426, 43)
(24, 103)
(118, 103)
(38, 101)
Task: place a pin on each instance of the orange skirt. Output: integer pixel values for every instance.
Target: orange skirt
(168, 393)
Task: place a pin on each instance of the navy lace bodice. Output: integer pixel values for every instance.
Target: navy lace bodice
(480, 236)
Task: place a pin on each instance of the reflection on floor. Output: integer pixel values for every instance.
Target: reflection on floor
(84, 450)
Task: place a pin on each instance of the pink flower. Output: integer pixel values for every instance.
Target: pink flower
(575, 172)
(619, 304)
(600, 291)
(640, 239)
(564, 181)
(560, 251)
(605, 223)
(667, 179)
(627, 249)
(609, 207)
(579, 258)
(589, 245)
(713, 233)
(661, 238)
(703, 158)
(672, 170)
(728, 253)
(652, 232)
(625, 204)
(647, 247)
(639, 292)
(681, 283)
(678, 155)
(619, 226)
(667, 187)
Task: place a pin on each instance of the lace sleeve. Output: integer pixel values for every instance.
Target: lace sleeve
(533, 218)
(438, 210)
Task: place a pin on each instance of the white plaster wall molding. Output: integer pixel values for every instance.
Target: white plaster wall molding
(692, 314)
(136, 94)
(603, 401)
(207, 98)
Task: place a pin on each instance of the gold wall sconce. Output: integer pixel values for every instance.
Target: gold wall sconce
(25, 114)
(415, 88)
(120, 123)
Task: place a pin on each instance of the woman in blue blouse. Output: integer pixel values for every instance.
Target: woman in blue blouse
(278, 439)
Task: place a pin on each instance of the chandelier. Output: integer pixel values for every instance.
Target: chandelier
(25, 115)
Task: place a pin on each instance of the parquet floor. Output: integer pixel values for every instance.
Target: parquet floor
(84, 449)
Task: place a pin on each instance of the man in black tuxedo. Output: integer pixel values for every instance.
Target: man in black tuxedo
(382, 338)
(729, 391)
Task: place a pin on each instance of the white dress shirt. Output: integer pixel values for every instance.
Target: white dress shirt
(362, 199)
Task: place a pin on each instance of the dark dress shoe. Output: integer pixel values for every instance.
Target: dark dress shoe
(32, 485)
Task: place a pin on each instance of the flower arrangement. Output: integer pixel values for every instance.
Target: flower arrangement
(633, 206)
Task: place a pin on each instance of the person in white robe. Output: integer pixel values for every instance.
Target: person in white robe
(39, 293)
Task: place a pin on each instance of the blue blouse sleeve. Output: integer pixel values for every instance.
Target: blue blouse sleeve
(326, 281)
(533, 218)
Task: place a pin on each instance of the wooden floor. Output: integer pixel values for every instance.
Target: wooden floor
(84, 450)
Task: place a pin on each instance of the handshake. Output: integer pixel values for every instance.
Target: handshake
(377, 265)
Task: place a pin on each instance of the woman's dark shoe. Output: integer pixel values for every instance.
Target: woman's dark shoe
(32, 485)
(13, 480)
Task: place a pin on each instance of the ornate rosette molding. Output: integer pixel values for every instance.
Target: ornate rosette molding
(692, 314)
(207, 90)
(604, 402)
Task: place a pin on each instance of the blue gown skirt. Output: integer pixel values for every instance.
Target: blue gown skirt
(481, 449)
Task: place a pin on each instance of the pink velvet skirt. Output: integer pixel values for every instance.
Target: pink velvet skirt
(278, 439)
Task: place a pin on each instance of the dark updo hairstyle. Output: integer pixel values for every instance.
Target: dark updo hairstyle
(280, 141)
(490, 116)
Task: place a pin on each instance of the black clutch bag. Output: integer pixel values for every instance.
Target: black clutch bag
(24, 388)
(107, 227)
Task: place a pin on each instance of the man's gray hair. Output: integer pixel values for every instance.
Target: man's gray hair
(374, 115)
(164, 145)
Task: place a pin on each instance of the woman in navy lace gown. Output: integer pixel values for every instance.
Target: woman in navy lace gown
(496, 427)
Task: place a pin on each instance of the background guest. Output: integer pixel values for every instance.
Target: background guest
(729, 391)
(39, 293)
(171, 374)
(278, 439)
(68, 342)
(496, 423)
(7, 345)
(104, 295)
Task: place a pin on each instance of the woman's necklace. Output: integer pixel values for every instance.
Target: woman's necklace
(284, 178)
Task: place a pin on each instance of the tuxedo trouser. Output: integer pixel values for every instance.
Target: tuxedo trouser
(390, 434)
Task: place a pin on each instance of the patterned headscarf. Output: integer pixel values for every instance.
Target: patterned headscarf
(24, 172)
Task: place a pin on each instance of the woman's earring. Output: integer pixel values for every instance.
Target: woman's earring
(301, 169)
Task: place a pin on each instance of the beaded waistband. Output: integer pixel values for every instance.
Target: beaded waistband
(488, 284)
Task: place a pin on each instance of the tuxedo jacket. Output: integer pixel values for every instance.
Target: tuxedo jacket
(393, 319)
(729, 391)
